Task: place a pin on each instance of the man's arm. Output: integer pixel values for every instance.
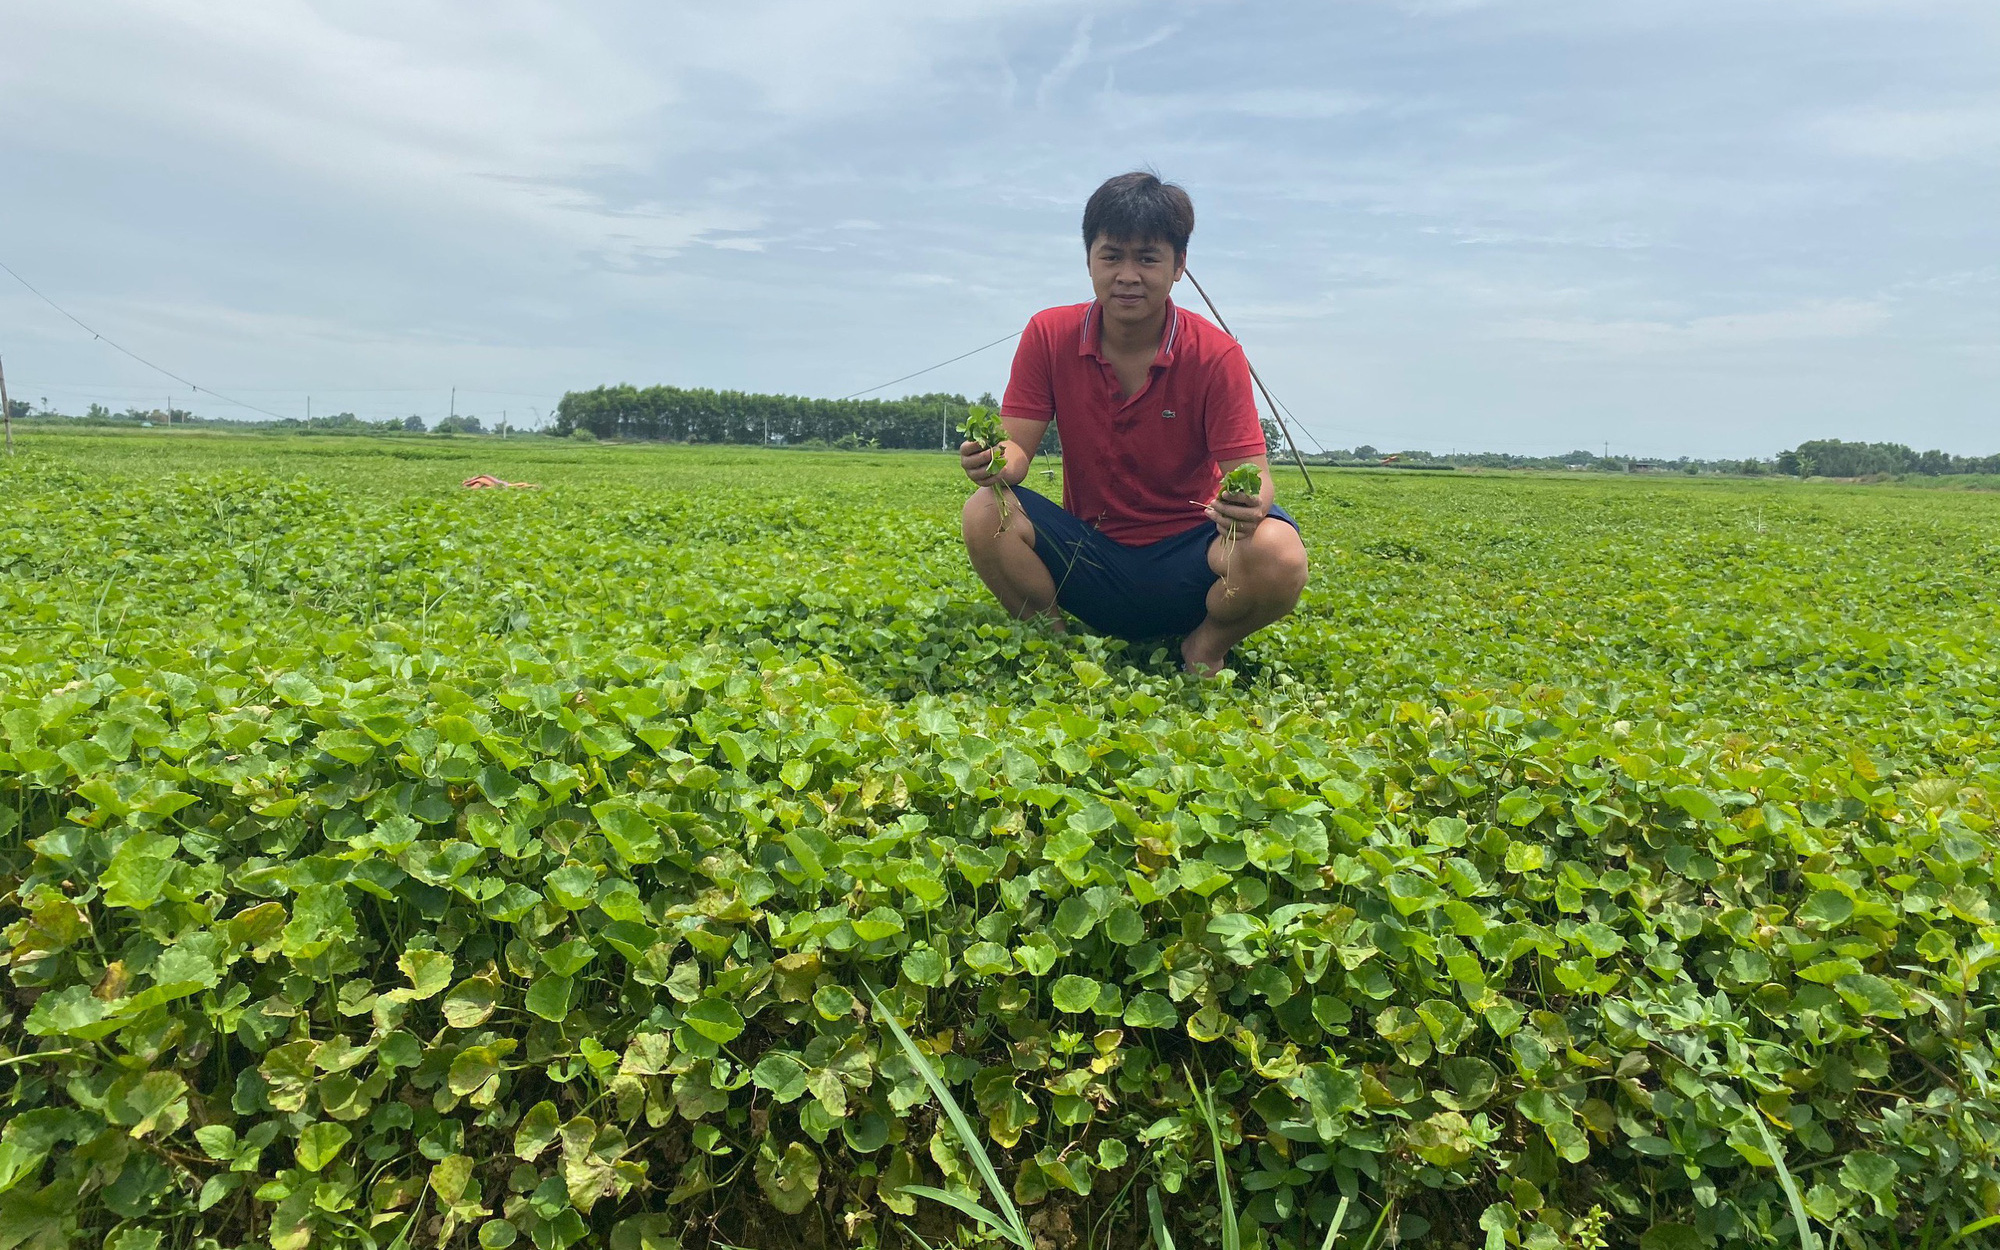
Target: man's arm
(1236, 515)
(1023, 436)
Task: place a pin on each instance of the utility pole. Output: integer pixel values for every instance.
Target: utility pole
(309, 410)
(1276, 414)
(454, 402)
(7, 409)
(503, 423)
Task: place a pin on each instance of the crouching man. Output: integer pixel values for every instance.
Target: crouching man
(1153, 406)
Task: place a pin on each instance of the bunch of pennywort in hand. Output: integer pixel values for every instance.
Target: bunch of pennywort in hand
(1244, 479)
(982, 426)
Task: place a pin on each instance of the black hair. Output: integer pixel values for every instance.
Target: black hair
(1139, 208)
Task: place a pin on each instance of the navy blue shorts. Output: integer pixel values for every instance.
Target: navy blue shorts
(1153, 591)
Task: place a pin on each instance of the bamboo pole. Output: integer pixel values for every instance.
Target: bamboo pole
(1276, 415)
(6, 409)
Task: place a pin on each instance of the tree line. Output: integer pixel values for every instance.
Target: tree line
(1830, 457)
(687, 415)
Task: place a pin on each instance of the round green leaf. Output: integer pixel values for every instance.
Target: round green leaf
(714, 1019)
(1148, 1010)
(1075, 994)
(321, 1143)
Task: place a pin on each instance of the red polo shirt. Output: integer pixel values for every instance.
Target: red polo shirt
(1132, 464)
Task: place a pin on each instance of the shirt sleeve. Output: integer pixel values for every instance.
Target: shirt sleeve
(1235, 432)
(1030, 391)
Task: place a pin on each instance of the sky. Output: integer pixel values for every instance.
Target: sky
(1662, 227)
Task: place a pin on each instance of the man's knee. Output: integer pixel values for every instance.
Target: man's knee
(981, 523)
(1274, 561)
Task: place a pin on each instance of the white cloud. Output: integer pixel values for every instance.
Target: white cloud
(1073, 59)
(1914, 134)
(1826, 319)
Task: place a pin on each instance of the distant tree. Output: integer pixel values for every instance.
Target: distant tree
(986, 400)
(19, 409)
(458, 425)
(413, 423)
(98, 412)
(1365, 452)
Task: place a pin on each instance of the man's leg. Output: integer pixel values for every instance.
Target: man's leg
(1004, 557)
(1257, 582)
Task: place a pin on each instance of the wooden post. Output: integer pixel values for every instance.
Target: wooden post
(6, 408)
(1277, 416)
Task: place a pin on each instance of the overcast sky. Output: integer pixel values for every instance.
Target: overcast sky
(1705, 227)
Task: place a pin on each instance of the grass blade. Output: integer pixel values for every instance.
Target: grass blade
(1162, 1239)
(1808, 1239)
(1010, 1223)
(1974, 1227)
(1333, 1229)
(1232, 1234)
(961, 1203)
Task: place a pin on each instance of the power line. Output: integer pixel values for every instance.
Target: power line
(127, 351)
(939, 365)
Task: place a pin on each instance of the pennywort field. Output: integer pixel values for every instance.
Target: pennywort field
(633, 862)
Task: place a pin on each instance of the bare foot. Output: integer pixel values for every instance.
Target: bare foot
(1197, 662)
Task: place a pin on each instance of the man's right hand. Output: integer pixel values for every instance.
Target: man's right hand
(974, 459)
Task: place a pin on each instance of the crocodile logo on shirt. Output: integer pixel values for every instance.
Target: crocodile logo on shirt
(1168, 413)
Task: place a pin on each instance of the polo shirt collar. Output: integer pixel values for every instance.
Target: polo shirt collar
(1090, 339)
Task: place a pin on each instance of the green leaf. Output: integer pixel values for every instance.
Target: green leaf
(1867, 1172)
(630, 834)
(472, 1067)
(153, 1102)
(1521, 806)
(1075, 994)
(569, 958)
(471, 1002)
(789, 1179)
(715, 1020)
(537, 1130)
(1826, 909)
(924, 966)
(548, 997)
(1148, 1010)
(429, 972)
(139, 870)
(1671, 1236)
(1696, 802)
(782, 1074)
(297, 689)
(573, 887)
(1870, 995)
(879, 923)
(1331, 1095)
(321, 1143)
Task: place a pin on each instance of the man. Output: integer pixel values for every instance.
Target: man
(1154, 407)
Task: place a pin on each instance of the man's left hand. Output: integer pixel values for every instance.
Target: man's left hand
(1237, 516)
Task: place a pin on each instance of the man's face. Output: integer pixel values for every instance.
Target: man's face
(1133, 277)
